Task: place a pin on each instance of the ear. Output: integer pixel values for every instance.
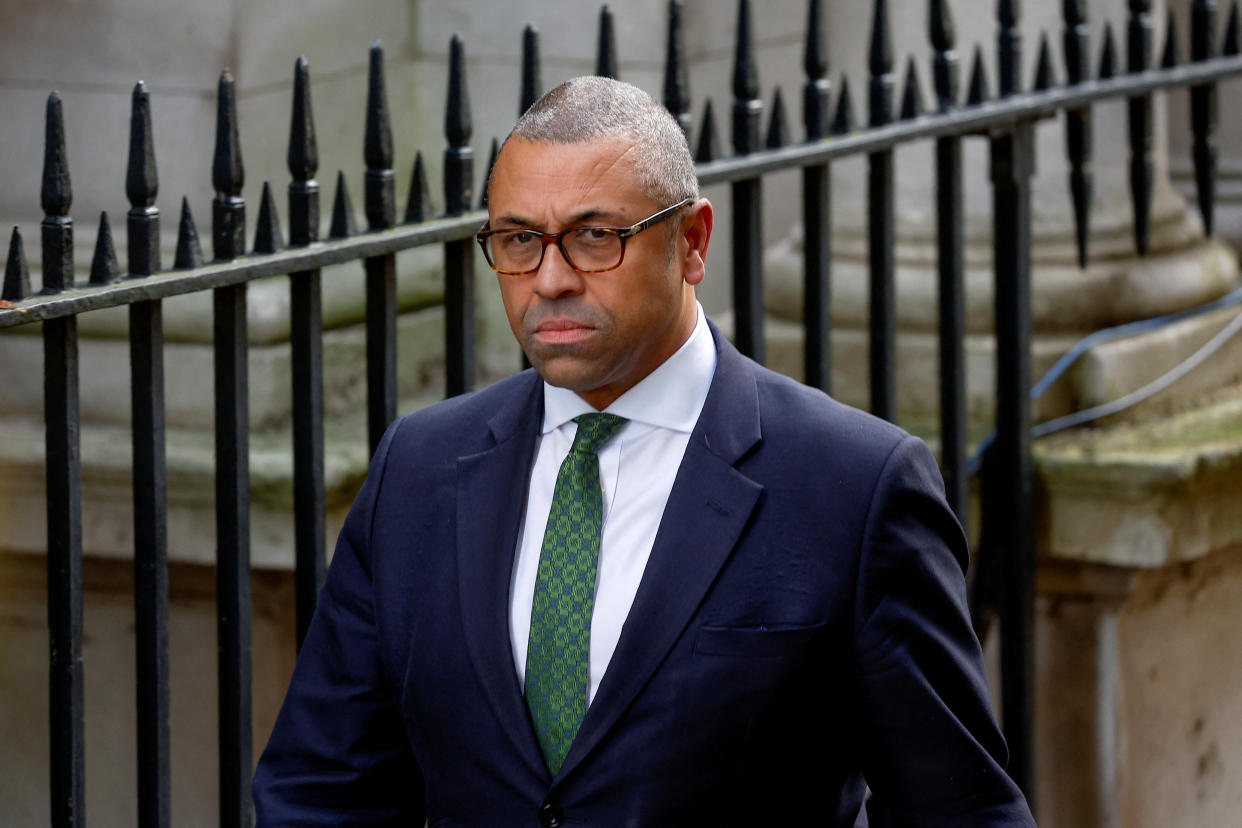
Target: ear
(696, 230)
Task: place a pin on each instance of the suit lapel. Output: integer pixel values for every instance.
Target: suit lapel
(489, 510)
(707, 510)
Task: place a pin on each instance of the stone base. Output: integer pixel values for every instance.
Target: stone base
(1140, 578)
(108, 673)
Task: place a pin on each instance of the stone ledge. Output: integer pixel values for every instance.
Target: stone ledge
(1147, 494)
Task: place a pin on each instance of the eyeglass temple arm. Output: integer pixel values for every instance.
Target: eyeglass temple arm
(656, 219)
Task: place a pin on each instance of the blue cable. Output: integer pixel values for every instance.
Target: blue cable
(1089, 341)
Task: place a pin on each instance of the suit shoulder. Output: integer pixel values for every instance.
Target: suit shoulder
(792, 411)
(458, 423)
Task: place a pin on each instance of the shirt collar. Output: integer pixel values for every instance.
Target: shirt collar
(671, 396)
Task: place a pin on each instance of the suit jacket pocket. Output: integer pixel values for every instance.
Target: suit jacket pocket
(754, 642)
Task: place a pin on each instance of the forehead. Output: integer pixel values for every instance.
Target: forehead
(544, 182)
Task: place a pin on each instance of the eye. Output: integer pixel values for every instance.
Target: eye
(594, 235)
(517, 239)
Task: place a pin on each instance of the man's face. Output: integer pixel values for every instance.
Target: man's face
(595, 333)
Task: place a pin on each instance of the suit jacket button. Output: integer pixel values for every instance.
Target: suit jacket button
(551, 816)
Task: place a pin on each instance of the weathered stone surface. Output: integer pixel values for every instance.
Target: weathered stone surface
(108, 669)
(1145, 495)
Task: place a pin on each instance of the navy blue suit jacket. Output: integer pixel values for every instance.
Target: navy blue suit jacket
(801, 626)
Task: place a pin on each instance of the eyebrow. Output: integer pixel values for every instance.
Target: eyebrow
(580, 218)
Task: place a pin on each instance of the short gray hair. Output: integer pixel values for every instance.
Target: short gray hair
(590, 108)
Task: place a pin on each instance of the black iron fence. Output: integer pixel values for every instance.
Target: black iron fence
(1005, 120)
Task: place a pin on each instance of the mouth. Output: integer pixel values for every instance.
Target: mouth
(561, 331)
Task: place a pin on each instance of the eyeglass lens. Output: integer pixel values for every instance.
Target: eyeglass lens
(586, 249)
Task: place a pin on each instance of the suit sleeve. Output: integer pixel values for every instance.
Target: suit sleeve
(933, 755)
(338, 753)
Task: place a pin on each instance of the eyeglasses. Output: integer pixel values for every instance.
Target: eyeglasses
(585, 249)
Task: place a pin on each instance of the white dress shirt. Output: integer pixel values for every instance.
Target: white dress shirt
(636, 469)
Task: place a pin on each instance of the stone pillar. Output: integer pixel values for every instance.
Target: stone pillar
(1079, 693)
(1182, 269)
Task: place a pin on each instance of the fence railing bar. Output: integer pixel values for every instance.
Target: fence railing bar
(881, 222)
(1011, 496)
(146, 341)
(223, 274)
(951, 298)
(306, 346)
(1140, 121)
(459, 335)
(232, 473)
(747, 200)
(381, 270)
(1204, 111)
(64, 480)
(64, 573)
(1079, 137)
(146, 355)
(979, 120)
(1012, 520)
(233, 554)
(816, 211)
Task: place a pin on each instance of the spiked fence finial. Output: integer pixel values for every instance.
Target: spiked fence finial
(843, 122)
(1172, 55)
(380, 192)
(1076, 41)
(708, 148)
(880, 67)
(57, 195)
(303, 147)
(676, 72)
(142, 186)
(531, 82)
(104, 267)
(1043, 69)
(267, 235)
(1009, 48)
(606, 54)
(343, 225)
(458, 157)
(189, 252)
(227, 173)
(978, 92)
(16, 274)
(57, 192)
(912, 94)
(945, 61)
(1108, 54)
(141, 180)
(817, 92)
(418, 203)
(487, 173)
(1233, 33)
(778, 129)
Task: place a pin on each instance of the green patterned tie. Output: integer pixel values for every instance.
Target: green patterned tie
(557, 656)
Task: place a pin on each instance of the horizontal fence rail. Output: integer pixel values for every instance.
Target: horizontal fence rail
(1005, 120)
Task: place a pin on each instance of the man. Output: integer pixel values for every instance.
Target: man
(724, 600)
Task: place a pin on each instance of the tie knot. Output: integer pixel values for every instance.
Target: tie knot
(594, 430)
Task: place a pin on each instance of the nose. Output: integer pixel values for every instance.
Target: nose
(555, 279)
